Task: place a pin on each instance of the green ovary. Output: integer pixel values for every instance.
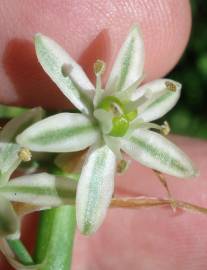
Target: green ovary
(120, 126)
(121, 119)
(112, 104)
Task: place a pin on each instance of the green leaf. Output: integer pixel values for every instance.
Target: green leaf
(63, 132)
(10, 111)
(76, 86)
(128, 67)
(95, 188)
(41, 189)
(155, 151)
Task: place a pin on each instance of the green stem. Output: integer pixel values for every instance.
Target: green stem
(10, 111)
(20, 251)
(55, 238)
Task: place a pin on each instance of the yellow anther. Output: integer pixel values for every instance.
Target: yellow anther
(99, 67)
(122, 166)
(25, 154)
(66, 69)
(171, 86)
(165, 128)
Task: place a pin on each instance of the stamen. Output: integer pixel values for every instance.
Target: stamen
(171, 86)
(128, 93)
(146, 125)
(25, 154)
(133, 105)
(137, 123)
(66, 70)
(99, 68)
(122, 166)
(165, 128)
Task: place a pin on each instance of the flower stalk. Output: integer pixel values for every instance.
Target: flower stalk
(20, 251)
(55, 238)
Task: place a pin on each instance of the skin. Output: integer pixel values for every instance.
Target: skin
(136, 239)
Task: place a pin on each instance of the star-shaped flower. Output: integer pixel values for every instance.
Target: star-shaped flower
(113, 119)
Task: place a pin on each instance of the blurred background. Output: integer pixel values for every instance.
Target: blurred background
(189, 117)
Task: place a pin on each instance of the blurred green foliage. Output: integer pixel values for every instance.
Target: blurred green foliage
(189, 117)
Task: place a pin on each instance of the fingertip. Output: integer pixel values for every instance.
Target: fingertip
(170, 32)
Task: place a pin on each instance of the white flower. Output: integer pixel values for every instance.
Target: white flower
(114, 119)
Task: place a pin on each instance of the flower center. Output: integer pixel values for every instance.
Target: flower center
(121, 117)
